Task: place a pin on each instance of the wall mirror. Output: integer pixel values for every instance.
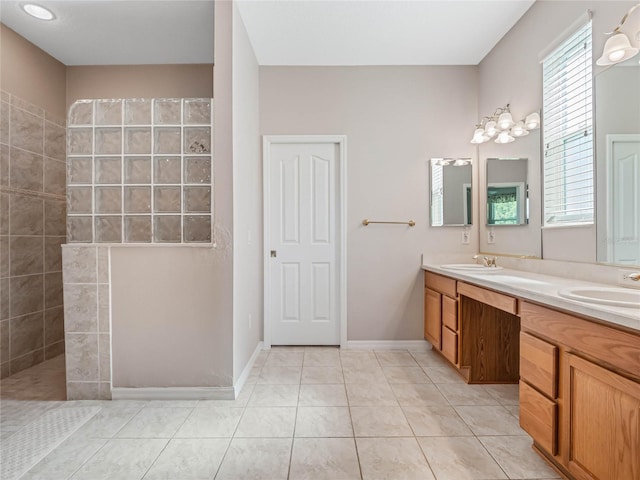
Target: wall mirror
(507, 191)
(617, 111)
(451, 194)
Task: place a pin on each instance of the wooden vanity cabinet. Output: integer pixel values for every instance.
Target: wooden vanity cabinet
(580, 394)
(473, 328)
(441, 315)
(490, 327)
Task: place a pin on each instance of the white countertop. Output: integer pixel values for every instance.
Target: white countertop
(544, 289)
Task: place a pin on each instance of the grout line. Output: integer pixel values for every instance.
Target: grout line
(293, 438)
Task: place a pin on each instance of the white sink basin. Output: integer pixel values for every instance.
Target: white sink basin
(470, 267)
(617, 297)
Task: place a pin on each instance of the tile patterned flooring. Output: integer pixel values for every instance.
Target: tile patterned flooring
(305, 413)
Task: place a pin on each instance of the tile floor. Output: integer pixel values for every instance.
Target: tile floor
(305, 413)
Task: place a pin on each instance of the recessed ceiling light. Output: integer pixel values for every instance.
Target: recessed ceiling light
(38, 11)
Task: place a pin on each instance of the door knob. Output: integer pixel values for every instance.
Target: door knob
(273, 254)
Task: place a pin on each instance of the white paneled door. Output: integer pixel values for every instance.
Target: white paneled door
(302, 243)
(624, 199)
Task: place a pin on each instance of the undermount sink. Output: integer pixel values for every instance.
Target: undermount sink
(617, 297)
(470, 267)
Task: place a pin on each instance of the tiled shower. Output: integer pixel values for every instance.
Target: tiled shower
(32, 228)
(139, 172)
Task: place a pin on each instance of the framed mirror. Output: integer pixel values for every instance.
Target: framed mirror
(507, 192)
(617, 146)
(451, 193)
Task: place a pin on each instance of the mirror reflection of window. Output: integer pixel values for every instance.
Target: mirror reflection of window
(503, 207)
(507, 202)
(451, 195)
(436, 195)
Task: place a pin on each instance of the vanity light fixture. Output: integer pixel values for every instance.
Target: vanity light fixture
(456, 162)
(502, 126)
(37, 11)
(625, 40)
(505, 120)
(504, 137)
(532, 121)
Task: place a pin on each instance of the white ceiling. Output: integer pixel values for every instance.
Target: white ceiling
(282, 32)
(389, 32)
(119, 32)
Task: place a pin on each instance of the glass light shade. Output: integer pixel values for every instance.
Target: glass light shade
(505, 121)
(616, 49)
(504, 137)
(38, 11)
(532, 121)
(519, 130)
(479, 136)
(490, 129)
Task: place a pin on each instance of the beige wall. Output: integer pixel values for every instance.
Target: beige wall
(511, 73)
(222, 310)
(247, 200)
(395, 119)
(29, 73)
(139, 81)
(165, 332)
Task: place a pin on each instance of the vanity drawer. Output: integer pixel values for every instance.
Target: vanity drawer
(450, 345)
(450, 313)
(539, 418)
(539, 364)
(618, 348)
(440, 284)
(495, 299)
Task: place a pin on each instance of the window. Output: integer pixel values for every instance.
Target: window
(437, 190)
(505, 204)
(568, 131)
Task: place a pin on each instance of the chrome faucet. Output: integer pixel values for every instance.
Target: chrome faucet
(490, 261)
(487, 261)
(633, 276)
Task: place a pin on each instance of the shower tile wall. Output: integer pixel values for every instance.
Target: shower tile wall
(139, 171)
(87, 323)
(32, 229)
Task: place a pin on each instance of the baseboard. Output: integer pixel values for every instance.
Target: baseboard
(173, 393)
(247, 370)
(388, 345)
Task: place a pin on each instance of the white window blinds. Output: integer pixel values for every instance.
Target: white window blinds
(568, 131)
(437, 193)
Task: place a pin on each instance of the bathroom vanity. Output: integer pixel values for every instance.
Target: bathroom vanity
(475, 329)
(578, 365)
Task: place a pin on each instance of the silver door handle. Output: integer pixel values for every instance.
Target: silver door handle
(274, 254)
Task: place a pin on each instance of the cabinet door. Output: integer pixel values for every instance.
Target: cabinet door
(538, 417)
(450, 345)
(450, 313)
(604, 423)
(539, 364)
(433, 317)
